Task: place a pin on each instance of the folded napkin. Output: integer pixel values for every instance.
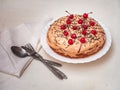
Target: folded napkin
(21, 35)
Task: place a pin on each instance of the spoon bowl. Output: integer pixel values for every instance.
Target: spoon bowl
(22, 53)
(18, 51)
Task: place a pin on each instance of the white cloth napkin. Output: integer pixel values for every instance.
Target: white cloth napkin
(21, 35)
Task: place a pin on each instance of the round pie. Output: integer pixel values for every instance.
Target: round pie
(76, 36)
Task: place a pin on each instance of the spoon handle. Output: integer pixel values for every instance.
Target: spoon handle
(55, 71)
(50, 62)
(53, 63)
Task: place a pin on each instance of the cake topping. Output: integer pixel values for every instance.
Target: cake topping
(85, 26)
(85, 15)
(82, 40)
(68, 21)
(63, 27)
(65, 33)
(73, 36)
(93, 32)
(82, 28)
(70, 41)
(92, 23)
(84, 32)
(71, 16)
(75, 27)
(80, 21)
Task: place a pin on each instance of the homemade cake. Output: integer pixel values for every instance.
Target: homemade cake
(76, 36)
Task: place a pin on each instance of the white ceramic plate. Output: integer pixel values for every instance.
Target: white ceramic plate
(94, 57)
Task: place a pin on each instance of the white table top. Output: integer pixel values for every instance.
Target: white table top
(103, 74)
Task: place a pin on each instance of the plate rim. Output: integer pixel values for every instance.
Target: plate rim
(91, 58)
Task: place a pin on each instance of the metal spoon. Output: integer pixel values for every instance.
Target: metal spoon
(20, 52)
(23, 52)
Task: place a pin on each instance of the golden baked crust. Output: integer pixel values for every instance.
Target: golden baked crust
(85, 41)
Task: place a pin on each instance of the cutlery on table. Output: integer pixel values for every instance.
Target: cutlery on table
(28, 50)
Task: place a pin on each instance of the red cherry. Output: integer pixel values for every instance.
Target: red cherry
(65, 33)
(75, 27)
(71, 16)
(68, 21)
(84, 32)
(63, 27)
(85, 26)
(85, 15)
(92, 23)
(70, 42)
(93, 32)
(82, 40)
(80, 21)
(73, 36)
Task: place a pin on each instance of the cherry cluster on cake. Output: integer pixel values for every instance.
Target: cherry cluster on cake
(81, 24)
